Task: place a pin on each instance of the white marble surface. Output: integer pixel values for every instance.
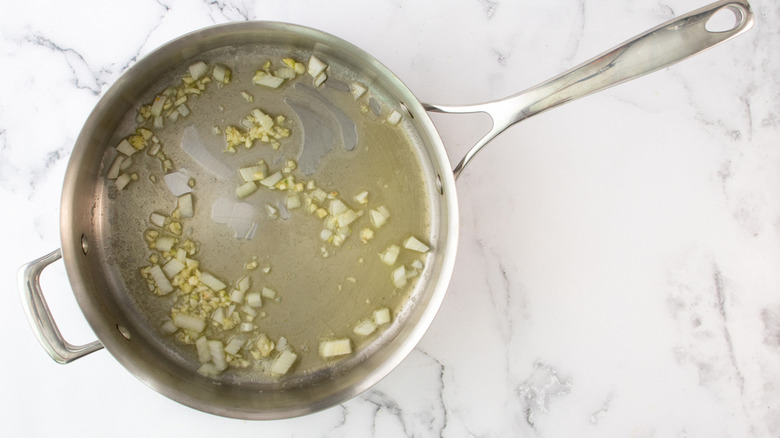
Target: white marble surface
(618, 272)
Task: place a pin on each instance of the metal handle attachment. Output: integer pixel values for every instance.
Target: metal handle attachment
(39, 316)
(655, 49)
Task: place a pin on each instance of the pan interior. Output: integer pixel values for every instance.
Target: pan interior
(341, 144)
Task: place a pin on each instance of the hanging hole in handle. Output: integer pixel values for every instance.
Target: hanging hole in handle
(84, 244)
(124, 332)
(725, 19)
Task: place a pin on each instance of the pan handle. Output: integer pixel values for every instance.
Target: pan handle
(655, 49)
(39, 316)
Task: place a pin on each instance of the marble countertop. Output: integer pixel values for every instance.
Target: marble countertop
(618, 269)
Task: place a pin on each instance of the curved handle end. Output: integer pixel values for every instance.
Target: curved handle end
(39, 315)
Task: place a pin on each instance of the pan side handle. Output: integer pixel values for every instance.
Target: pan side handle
(39, 315)
(655, 49)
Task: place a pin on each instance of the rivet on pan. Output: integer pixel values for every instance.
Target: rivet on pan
(123, 331)
(84, 244)
(439, 185)
(403, 105)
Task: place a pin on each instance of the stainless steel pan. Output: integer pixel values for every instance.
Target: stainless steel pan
(101, 231)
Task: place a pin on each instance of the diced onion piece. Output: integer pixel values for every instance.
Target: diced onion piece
(185, 205)
(126, 148)
(218, 315)
(211, 281)
(246, 189)
(264, 345)
(168, 327)
(390, 255)
(234, 345)
(252, 173)
(336, 207)
(415, 245)
(198, 70)
(161, 280)
(208, 370)
(249, 311)
(377, 218)
(189, 322)
(254, 299)
(319, 195)
(316, 66)
(285, 73)
(292, 201)
(335, 347)
(347, 218)
(325, 234)
(246, 327)
(364, 328)
(173, 267)
(157, 106)
(283, 362)
(362, 197)
(164, 243)
(281, 345)
(366, 234)
(126, 163)
(202, 344)
(394, 118)
(113, 171)
(158, 122)
(271, 180)
(269, 293)
(357, 89)
(266, 80)
(157, 219)
(322, 77)
(217, 350)
(418, 264)
(243, 284)
(183, 109)
(221, 74)
(399, 276)
(237, 296)
(382, 316)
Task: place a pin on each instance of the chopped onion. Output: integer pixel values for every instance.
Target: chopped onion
(365, 327)
(164, 243)
(161, 280)
(292, 201)
(319, 195)
(168, 327)
(335, 347)
(237, 296)
(243, 284)
(198, 70)
(212, 282)
(173, 267)
(221, 74)
(254, 300)
(382, 316)
(185, 205)
(271, 180)
(158, 122)
(325, 234)
(336, 207)
(183, 110)
(399, 276)
(347, 218)
(157, 106)
(126, 148)
(415, 245)
(247, 327)
(266, 80)
(362, 197)
(264, 345)
(283, 362)
(217, 351)
(322, 77)
(357, 89)
(246, 189)
(208, 370)
(234, 345)
(189, 322)
(113, 171)
(316, 66)
(418, 264)
(202, 344)
(269, 293)
(218, 315)
(390, 255)
(285, 73)
(378, 218)
(252, 173)
(394, 118)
